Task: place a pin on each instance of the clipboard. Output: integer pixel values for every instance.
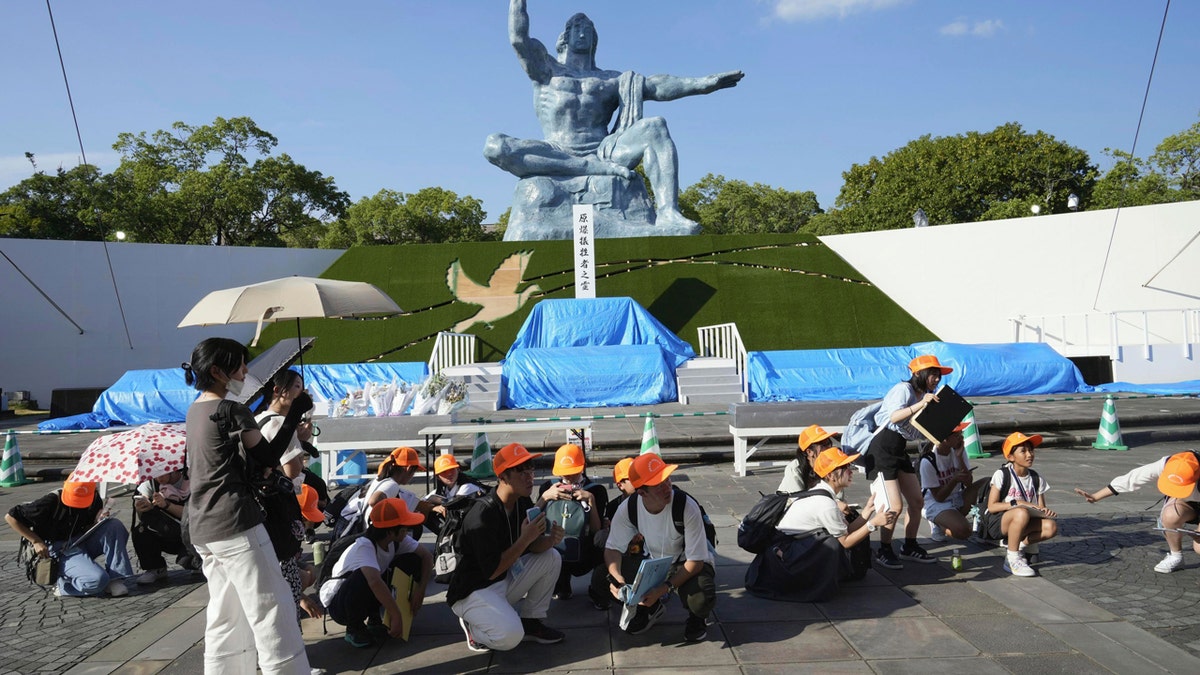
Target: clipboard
(652, 572)
(1180, 530)
(402, 585)
(937, 420)
(878, 489)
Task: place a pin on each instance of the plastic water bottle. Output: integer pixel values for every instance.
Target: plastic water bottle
(318, 553)
(956, 562)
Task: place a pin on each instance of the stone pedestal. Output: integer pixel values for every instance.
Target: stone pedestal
(542, 208)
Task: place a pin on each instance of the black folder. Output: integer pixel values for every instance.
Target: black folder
(938, 419)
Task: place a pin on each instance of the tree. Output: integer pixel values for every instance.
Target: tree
(723, 206)
(219, 184)
(67, 204)
(965, 178)
(1171, 174)
(432, 215)
(1178, 157)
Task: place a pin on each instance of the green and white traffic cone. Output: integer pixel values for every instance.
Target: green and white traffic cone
(12, 471)
(971, 441)
(650, 438)
(481, 459)
(1109, 437)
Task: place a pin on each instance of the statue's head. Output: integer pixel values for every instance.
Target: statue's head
(578, 35)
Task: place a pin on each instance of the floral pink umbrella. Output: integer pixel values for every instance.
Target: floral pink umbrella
(135, 455)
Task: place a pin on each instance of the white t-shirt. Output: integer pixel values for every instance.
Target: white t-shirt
(658, 529)
(1025, 482)
(937, 473)
(816, 512)
(390, 489)
(362, 553)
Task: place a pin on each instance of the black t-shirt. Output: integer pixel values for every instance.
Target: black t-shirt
(611, 509)
(54, 521)
(488, 531)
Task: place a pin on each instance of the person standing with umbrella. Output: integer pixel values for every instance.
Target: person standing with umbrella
(250, 617)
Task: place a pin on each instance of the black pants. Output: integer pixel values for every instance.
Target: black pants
(156, 533)
(354, 602)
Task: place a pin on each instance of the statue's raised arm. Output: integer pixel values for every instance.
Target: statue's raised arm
(530, 51)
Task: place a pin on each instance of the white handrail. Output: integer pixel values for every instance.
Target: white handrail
(1072, 334)
(723, 341)
(451, 349)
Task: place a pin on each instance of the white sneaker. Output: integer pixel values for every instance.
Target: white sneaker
(936, 535)
(1169, 564)
(116, 588)
(152, 576)
(1018, 567)
(471, 643)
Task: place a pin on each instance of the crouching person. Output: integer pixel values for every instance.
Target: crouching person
(58, 524)
(808, 564)
(672, 525)
(357, 589)
(502, 586)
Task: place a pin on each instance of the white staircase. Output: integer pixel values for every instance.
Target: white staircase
(707, 380)
(483, 383)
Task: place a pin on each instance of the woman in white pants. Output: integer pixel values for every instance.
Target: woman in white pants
(251, 616)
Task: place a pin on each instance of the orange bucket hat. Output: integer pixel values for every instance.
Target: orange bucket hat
(927, 361)
(308, 504)
(444, 463)
(393, 512)
(831, 459)
(78, 494)
(1179, 476)
(621, 470)
(815, 434)
(513, 454)
(649, 470)
(568, 461)
(1016, 438)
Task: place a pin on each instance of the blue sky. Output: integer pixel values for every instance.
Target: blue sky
(401, 94)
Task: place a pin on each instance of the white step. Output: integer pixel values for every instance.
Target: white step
(474, 370)
(701, 363)
(724, 397)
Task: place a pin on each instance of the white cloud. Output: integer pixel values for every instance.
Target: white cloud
(812, 10)
(16, 168)
(961, 27)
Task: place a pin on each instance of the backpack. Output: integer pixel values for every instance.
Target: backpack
(447, 552)
(334, 554)
(574, 520)
(860, 429)
(344, 513)
(987, 525)
(678, 502)
(757, 530)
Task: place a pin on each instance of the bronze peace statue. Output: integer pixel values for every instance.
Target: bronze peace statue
(584, 160)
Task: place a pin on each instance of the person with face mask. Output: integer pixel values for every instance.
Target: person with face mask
(251, 619)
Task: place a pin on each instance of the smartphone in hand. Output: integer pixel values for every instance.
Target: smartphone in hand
(532, 514)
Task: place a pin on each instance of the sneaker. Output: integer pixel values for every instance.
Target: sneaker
(915, 553)
(886, 557)
(1018, 567)
(562, 590)
(1169, 564)
(645, 617)
(936, 534)
(359, 637)
(600, 603)
(536, 631)
(152, 576)
(695, 629)
(471, 643)
(116, 588)
(378, 632)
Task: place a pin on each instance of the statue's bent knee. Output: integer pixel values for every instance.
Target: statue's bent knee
(495, 148)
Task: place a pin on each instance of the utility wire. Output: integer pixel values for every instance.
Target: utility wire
(1132, 154)
(83, 153)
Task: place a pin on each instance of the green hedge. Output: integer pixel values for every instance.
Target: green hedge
(782, 291)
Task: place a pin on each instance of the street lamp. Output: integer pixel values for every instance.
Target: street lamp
(1073, 202)
(120, 235)
(1036, 208)
(920, 219)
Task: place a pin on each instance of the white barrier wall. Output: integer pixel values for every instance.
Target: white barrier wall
(967, 282)
(40, 349)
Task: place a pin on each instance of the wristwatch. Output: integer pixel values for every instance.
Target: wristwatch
(871, 526)
(612, 581)
(670, 587)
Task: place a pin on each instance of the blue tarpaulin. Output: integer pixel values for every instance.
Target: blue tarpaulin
(588, 377)
(864, 374)
(1191, 387)
(142, 396)
(592, 353)
(596, 323)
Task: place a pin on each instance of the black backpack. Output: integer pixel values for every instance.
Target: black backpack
(336, 549)
(678, 502)
(757, 530)
(987, 526)
(447, 552)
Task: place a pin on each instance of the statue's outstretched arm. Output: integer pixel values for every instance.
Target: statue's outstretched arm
(670, 87)
(530, 52)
